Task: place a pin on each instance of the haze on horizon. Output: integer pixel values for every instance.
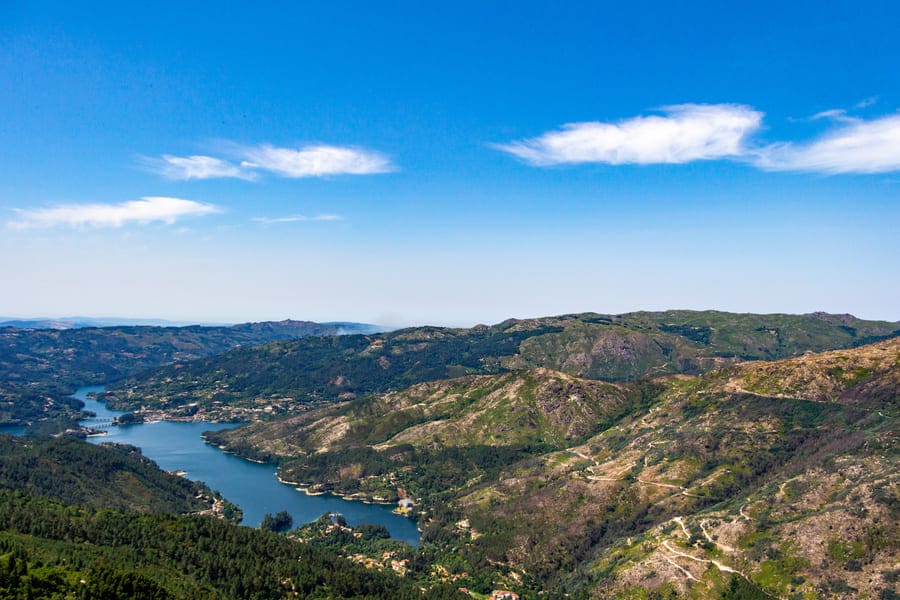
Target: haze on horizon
(448, 165)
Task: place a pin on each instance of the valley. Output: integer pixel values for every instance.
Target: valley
(650, 484)
(41, 368)
(648, 455)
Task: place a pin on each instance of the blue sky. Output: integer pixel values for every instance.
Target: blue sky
(451, 164)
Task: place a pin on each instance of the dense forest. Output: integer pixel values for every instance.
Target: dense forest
(48, 549)
(85, 521)
(104, 476)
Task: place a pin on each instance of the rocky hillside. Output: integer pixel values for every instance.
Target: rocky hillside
(537, 406)
(604, 347)
(759, 479)
(785, 484)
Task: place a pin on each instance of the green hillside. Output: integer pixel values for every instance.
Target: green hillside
(607, 514)
(39, 368)
(537, 406)
(648, 455)
(85, 521)
(782, 474)
(606, 347)
(104, 476)
(52, 550)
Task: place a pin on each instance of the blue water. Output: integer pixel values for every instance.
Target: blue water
(177, 446)
(16, 430)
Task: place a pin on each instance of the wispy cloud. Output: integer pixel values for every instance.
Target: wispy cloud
(297, 219)
(316, 160)
(867, 102)
(247, 162)
(834, 114)
(683, 133)
(857, 147)
(145, 210)
(183, 168)
(691, 132)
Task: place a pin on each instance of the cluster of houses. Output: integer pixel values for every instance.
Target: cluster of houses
(387, 559)
(497, 594)
(404, 506)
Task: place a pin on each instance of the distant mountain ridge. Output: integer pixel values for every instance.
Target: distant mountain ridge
(80, 322)
(593, 346)
(84, 322)
(39, 368)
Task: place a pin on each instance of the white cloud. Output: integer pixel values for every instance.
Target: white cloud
(145, 210)
(297, 219)
(315, 160)
(834, 114)
(858, 147)
(195, 167)
(684, 133)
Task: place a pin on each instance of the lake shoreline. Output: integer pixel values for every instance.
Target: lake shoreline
(255, 486)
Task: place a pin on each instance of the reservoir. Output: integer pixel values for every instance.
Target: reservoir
(177, 446)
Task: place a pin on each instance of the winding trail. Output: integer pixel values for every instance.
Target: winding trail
(781, 487)
(680, 521)
(720, 566)
(683, 490)
(665, 485)
(621, 475)
(723, 547)
(581, 455)
(674, 552)
(686, 573)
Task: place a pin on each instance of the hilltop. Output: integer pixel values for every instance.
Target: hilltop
(521, 407)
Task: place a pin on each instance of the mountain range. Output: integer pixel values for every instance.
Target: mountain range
(646, 455)
(767, 478)
(40, 368)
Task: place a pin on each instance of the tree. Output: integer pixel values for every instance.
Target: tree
(277, 523)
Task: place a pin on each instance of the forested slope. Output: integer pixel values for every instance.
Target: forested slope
(85, 521)
(39, 368)
(104, 476)
(51, 550)
(606, 347)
